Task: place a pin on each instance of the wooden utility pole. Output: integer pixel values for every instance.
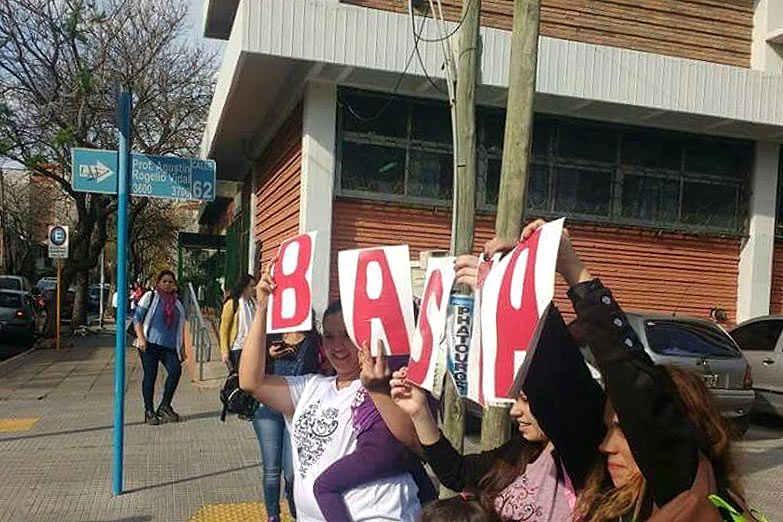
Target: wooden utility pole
(465, 187)
(516, 154)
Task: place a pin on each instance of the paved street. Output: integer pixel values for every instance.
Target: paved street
(56, 448)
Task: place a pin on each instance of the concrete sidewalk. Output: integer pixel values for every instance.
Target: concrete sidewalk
(56, 413)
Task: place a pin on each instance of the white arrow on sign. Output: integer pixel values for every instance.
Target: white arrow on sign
(99, 172)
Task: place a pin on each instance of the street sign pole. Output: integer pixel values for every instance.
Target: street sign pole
(59, 293)
(122, 287)
(100, 292)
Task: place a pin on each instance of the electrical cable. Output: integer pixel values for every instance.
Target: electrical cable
(379, 113)
(418, 52)
(453, 32)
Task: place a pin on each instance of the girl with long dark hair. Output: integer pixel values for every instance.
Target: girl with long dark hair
(235, 320)
(667, 449)
(536, 475)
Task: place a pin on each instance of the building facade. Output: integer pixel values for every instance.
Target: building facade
(657, 133)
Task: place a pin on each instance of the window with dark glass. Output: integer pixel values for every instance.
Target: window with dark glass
(582, 191)
(651, 149)
(537, 185)
(578, 168)
(373, 168)
(395, 146)
(647, 198)
(709, 205)
(761, 336)
(588, 142)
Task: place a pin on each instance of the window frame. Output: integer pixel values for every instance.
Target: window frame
(618, 169)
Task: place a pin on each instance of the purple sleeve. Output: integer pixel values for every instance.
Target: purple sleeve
(378, 455)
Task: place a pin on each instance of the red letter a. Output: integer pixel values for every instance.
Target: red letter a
(515, 326)
(384, 308)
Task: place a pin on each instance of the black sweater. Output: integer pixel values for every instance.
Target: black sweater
(664, 444)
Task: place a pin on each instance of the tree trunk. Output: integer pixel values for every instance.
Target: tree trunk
(79, 316)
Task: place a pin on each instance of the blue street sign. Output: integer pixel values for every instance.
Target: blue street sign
(95, 170)
(58, 235)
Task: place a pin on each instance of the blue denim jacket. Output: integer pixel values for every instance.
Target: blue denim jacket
(302, 362)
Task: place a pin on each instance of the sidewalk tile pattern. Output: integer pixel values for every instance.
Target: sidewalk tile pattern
(199, 469)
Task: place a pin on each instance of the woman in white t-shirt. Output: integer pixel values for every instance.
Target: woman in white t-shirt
(318, 412)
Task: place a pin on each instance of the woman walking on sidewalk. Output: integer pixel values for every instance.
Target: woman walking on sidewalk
(159, 322)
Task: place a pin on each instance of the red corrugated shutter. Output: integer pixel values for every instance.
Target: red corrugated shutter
(278, 176)
(776, 297)
(647, 270)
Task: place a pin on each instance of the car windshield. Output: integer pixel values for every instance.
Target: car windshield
(10, 283)
(681, 338)
(9, 300)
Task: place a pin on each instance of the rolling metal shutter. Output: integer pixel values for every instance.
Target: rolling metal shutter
(776, 297)
(647, 270)
(278, 176)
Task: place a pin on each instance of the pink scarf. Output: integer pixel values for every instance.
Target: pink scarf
(169, 306)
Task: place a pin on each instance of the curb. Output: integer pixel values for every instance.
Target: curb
(17, 356)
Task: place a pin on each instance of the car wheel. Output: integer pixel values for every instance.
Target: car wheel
(741, 426)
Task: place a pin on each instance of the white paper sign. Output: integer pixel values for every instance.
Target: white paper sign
(377, 297)
(426, 361)
(290, 305)
(516, 293)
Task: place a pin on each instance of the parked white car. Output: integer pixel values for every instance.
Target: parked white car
(762, 343)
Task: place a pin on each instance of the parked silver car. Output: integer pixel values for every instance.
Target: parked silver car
(705, 348)
(761, 342)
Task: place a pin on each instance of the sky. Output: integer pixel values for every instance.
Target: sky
(196, 20)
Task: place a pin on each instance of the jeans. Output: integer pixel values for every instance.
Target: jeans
(233, 359)
(275, 447)
(149, 362)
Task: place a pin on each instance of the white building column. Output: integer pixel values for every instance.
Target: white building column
(767, 46)
(317, 181)
(755, 267)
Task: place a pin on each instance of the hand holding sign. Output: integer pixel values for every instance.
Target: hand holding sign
(569, 265)
(265, 287)
(290, 307)
(516, 293)
(409, 398)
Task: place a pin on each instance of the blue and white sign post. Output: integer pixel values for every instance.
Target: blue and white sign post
(126, 174)
(122, 290)
(96, 170)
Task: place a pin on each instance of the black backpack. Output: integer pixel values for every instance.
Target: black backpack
(235, 400)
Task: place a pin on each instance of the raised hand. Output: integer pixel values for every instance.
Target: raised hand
(569, 265)
(409, 398)
(265, 287)
(466, 267)
(375, 372)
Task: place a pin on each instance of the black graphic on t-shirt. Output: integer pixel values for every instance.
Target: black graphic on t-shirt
(313, 430)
